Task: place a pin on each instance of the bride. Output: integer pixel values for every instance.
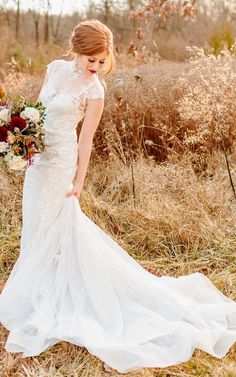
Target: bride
(72, 282)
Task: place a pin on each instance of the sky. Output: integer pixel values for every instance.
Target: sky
(67, 6)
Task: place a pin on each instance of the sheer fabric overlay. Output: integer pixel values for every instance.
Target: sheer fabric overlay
(72, 282)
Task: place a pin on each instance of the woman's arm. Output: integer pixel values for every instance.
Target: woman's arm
(92, 118)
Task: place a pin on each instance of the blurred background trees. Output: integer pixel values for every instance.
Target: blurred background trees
(140, 27)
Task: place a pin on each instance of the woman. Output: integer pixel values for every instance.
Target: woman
(72, 282)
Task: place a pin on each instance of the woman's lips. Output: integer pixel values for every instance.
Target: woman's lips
(92, 71)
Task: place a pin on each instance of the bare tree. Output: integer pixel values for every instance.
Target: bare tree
(47, 9)
(104, 8)
(225, 9)
(36, 13)
(134, 4)
(107, 8)
(17, 25)
(5, 10)
(153, 16)
(56, 24)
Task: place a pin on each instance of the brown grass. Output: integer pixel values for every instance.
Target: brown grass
(171, 217)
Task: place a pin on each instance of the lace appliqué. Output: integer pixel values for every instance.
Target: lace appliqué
(95, 91)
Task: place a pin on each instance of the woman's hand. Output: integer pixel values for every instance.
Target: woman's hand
(76, 190)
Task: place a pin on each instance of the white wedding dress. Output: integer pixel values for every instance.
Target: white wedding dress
(72, 282)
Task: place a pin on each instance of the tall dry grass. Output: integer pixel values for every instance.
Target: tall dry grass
(143, 189)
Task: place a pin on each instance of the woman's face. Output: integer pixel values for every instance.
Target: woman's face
(91, 64)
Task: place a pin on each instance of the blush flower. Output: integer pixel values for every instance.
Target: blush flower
(3, 147)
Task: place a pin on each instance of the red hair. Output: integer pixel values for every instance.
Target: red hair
(92, 37)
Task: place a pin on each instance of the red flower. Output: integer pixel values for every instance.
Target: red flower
(16, 121)
(3, 133)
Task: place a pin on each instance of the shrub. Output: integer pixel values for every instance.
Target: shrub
(222, 38)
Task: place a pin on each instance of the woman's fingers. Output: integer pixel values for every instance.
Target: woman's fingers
(70, 193)
(73, 192)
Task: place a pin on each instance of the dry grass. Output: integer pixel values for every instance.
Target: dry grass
(171, 217)
(161, 109)
(180, 223)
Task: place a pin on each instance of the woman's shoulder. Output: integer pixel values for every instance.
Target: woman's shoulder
(58, 68)
(55, 64)
(96, 89)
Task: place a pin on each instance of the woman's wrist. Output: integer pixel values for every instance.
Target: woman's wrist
(78, 181)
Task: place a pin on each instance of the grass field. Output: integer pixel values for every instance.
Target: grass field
(158, 184)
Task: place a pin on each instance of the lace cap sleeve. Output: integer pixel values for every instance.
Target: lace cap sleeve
(96, 91)
(52, 67)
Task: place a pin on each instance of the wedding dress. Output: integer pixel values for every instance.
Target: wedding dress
(72, 282)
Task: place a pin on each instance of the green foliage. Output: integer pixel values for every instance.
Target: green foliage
(222, 38)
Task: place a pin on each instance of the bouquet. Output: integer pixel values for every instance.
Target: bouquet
(21, 132)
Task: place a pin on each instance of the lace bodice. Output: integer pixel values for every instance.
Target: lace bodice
(65, 94)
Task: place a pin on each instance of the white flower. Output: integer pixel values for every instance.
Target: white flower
(8, 156)
(16, 163)
(3, 146)
(4, 115)
(31, 113)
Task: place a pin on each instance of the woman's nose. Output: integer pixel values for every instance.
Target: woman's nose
(96, 65)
